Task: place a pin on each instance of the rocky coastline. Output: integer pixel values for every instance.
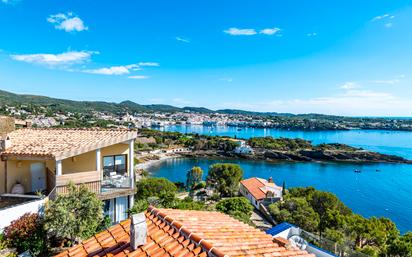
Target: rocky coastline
(356, 156)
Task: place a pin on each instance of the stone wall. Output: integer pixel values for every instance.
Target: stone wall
(6, 125)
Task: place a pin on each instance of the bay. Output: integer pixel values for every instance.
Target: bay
(383, 141)
(383, 193)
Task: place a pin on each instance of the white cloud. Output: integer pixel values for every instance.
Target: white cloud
(380, 17)
(350, 85)
(138, 77)
(114, 70)
(240, 32)
(149, 64)
(312, 34)
(67, 22)
(181, 39)
(386, 18)
(270, 31)
(55, 60)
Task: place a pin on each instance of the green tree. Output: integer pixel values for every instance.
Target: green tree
(162, 188)
(75, 215)
(238, 207)
(193, 178)
(322, 202)
(225, 178)
(295, 210)
(401, 247)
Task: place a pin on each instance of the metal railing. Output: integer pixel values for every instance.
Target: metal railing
(345, 249)
(115, 183)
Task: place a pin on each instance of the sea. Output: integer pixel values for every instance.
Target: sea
(381, 190)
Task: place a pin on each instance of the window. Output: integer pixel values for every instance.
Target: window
(116, 208)
(115, 165)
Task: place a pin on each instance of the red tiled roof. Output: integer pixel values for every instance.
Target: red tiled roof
(62, 143)
(184, 233)
(254, 185)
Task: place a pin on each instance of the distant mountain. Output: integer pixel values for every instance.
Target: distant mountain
(8, 98)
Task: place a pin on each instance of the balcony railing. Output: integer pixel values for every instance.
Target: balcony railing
(115, 183)
(91, 179)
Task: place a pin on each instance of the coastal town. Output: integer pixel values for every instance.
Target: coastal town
(53, 113)
(210, 128)
(42, 168)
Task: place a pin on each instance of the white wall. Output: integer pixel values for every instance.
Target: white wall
(319, 253)
(9, 214)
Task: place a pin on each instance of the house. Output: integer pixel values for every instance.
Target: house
(259, 190)
(243, 148)
(45, 161)
(182, 233)
(297, 237)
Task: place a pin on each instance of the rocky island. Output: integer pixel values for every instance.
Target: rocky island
(265, 148)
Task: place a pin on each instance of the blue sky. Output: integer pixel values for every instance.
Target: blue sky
(333, 57)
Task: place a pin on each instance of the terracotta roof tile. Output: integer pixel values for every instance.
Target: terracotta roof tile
(256, 187)
(184, 233)
(55, 143)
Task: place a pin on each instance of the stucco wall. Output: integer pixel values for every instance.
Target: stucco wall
(9, 214)
(83, 162)
(115, 149)
(2, 177)
(19, 171)
(87, 161)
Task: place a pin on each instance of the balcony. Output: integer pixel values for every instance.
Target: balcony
(112, 185)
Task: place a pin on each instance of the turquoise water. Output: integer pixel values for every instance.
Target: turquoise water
(387, 142)
(385, 193)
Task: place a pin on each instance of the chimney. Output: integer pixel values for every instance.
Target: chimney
(5, 143)
(270, 180)
(138, 230)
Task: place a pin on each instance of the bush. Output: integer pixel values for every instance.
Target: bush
(188, 204)
(74, 216)
(234, 205)
(26, 233)
(162, 188)
(139, 206)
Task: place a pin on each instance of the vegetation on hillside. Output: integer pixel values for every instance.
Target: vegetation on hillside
(294, 144)
(194, 141)
(324, 214)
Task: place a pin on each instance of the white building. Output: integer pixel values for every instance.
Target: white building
(259, 190)
(243, 148)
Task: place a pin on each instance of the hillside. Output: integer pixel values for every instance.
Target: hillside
(11, 99)
(8, 98)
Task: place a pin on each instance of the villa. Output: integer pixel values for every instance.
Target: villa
(44, 162)
(260, 191)
(183, 233)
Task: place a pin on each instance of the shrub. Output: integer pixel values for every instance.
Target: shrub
(162, 188)
(235, 205)
(74, 216)
(139, 206)
(26, 233)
